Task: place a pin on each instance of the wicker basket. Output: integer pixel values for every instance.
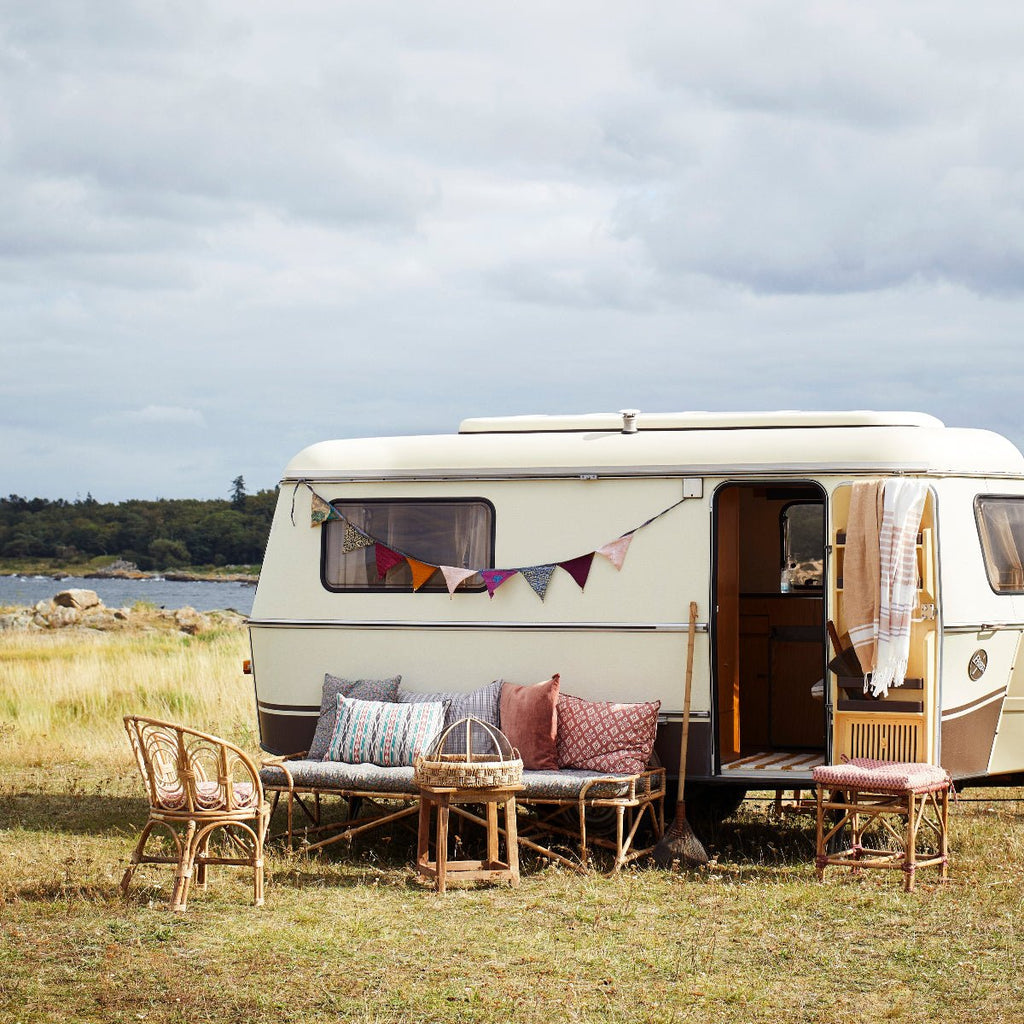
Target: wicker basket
(497, 768)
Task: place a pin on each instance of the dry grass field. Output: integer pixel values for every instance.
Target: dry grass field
(353, 936)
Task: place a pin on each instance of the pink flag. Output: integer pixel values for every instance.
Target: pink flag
(453, 576)
(386, 559)
(579, 568)
(494, 578)
(615, 550)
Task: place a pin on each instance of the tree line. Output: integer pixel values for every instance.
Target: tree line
(156, 534)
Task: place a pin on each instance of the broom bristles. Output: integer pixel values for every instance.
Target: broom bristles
(679, 845)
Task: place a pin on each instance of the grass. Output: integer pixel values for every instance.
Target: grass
(353, 935)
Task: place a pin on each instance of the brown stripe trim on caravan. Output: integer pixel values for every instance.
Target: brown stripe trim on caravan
(304, 709)
(967, 739)
(973, 705)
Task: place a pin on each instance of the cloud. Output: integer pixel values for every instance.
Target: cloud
(158, 415)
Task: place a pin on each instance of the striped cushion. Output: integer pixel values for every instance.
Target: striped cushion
(390, 735)
(482, 703)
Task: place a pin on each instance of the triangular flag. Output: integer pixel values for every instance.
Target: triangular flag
(320, 511)
(386, 559)
(493, 578)
(538, 576)
(354, 539)
(453, 576)
(421, 572)
(579, 568)
(615, 550)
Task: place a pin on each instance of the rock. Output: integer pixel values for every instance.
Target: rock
(43, 607)
(77, 599)
(122, 614)
(188, 620)
(62, 616)
(17, 620)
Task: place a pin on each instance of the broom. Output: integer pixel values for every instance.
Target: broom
(679, 843)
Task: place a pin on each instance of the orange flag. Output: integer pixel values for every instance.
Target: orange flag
(421, 572)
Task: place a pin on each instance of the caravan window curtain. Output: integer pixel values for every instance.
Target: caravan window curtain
(1001, 528)
(458, 532)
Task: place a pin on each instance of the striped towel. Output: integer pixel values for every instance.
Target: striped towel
(901, 520)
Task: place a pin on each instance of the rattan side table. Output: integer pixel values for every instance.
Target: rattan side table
(445, 799)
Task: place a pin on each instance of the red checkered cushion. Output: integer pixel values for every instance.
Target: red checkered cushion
(605, 737)
(887, 776)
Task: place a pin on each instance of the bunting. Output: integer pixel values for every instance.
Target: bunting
(537, 576)
(386, 559)
(354, 539)
(579, 568)
(321, 511)
(493, 578)
(421, 572)
(453, 576)
(615, 550)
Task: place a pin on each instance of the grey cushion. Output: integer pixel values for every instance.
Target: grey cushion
(482, 703)
(566, 783)
(363, 689)
(338, 775)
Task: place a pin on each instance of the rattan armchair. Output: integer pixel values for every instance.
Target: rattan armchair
(197, 784)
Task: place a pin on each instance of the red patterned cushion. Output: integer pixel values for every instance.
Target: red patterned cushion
(606, 737)
(529, 721)
(887, 776)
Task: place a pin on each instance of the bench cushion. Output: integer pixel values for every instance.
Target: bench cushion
(379, 732)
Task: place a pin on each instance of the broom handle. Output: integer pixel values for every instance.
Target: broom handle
(686, 698)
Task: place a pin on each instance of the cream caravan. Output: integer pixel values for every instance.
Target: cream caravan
(613, 524)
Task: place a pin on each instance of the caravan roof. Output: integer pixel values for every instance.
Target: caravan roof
(689, 444)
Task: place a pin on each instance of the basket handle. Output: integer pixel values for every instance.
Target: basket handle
(500, 740)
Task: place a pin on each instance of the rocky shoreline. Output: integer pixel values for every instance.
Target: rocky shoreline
(121, 570)
(80, 609)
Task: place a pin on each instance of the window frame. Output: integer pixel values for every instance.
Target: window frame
(429, 587)
(783, 530)
(981, 529)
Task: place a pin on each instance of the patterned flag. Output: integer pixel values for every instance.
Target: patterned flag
(321, 511)
(493, 578)
(615, 550)
(538, 576)
(354, 539)
(579, 568)
(421, 572)
(453, 576)
(386, 559)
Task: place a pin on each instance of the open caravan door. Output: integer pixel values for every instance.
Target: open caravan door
(895, 720)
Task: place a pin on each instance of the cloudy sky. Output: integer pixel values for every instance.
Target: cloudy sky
(230, 229)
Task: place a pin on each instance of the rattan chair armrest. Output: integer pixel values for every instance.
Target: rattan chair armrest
(281, 763)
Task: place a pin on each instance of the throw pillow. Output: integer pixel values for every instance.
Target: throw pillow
(385, 734)
(483, 703)
(529, 719)
(605, 737)
(363, 689)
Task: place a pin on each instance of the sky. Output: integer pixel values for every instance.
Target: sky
(232, 229)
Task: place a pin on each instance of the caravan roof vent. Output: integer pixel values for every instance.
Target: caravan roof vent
(629, 420)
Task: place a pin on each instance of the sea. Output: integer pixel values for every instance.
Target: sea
(202, 595)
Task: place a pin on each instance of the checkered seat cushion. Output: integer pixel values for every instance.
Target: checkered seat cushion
(864, 773)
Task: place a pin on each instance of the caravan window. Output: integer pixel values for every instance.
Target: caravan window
(456, 532)
(1001, 527)
(802, 525)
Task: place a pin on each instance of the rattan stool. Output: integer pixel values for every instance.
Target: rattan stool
(876, 790)
(491, 869)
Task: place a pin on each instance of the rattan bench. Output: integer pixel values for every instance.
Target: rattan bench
(559, 802)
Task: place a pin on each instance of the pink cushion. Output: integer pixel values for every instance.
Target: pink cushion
(208, 796)
(887, 776)
(605, 737)
(529, 720)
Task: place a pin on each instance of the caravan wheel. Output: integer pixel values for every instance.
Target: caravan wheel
(708, 805)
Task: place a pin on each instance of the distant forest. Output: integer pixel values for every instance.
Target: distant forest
(153, 534)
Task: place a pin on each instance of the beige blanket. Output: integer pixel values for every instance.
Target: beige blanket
(861, 571)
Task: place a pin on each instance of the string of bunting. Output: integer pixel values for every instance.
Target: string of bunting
(537, 576)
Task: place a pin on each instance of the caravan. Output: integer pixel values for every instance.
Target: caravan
(613, 523)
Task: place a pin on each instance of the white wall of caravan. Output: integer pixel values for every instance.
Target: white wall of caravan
(537, 521)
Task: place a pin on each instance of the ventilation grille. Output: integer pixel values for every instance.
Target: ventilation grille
(883, 741)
